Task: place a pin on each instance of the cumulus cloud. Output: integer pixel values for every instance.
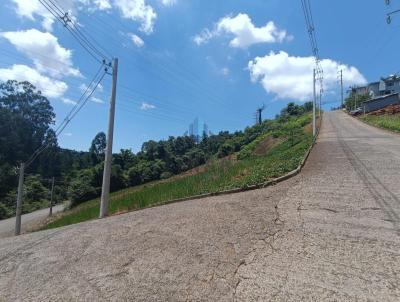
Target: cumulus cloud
(49, 87)
(102, 4)
(136, 10)
(146, 106)
(83, 88)
(290, 77)
(244, 32)
(68, 101)
(204, 36)
(44, 50)
(136, 40)
(96, 100)
(168, 2)
(33, 8)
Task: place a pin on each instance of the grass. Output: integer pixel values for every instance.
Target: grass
(390, 122)
(219, 175)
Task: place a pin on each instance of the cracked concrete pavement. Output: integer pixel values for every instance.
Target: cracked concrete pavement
(329, 234)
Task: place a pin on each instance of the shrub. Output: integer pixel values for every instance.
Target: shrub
(166, 175)
(134, 176)
(81, 189)
(225, 150)
(5, 212)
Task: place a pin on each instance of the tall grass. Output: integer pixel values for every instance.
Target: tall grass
(219, 175)
(390, 122)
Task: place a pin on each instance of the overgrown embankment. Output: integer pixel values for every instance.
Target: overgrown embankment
(284, 145)
(389, 122)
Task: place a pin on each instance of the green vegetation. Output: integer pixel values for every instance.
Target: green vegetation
(217, 175)
(355, 100)
(144, 178)
(25, 119)
(390, 122)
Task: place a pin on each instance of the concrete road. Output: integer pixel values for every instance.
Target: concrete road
(7, 226)
(329, 234)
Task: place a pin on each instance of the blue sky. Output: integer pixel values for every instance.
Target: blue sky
(217, 60)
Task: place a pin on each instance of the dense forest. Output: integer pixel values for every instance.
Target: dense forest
(27, 122)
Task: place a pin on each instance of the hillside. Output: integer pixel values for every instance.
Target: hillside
(276, 151)
(386, 118)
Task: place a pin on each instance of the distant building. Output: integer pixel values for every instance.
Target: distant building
(385, 86)
(381, 102)
(206, 132)
(194, 130)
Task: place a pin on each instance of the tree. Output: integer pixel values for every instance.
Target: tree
(97, 148)
(292, 110)
(125, 159)
(355, 100)
(225, 150)
(26, 115)
(25, 119)
(308, 106)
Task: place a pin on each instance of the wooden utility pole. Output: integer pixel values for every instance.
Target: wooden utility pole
(105, 190)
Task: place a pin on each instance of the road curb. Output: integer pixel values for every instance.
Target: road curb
(269, 183)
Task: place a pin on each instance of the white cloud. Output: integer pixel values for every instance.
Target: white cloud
(32, 8)
(204, 36)
(68, 101)
(68, 134)
(138, 10)
(96, 100)
(83, 87)
(290, 77)
(225, 71)
(49, 87)
(102, 4)
(168, 2)
(44, 50)
(245, 33)
(146, 106)
(136, 40)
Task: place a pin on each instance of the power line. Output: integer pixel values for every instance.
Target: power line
(67, 21)
(74, 111)
(177, 76)
(306, 6)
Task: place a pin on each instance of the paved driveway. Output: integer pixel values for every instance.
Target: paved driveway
(328, 234)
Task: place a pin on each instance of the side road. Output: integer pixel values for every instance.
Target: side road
(329, 234)
(7, 226)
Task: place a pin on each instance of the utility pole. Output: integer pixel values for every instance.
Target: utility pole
(19, 200)
(314, 104)
(259, 115)
(320, 104)
(341, 85)
(51, 197)
(105, 190)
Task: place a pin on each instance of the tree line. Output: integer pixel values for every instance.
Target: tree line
(26, 120)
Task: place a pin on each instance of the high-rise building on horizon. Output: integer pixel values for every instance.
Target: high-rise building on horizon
(194, 130)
